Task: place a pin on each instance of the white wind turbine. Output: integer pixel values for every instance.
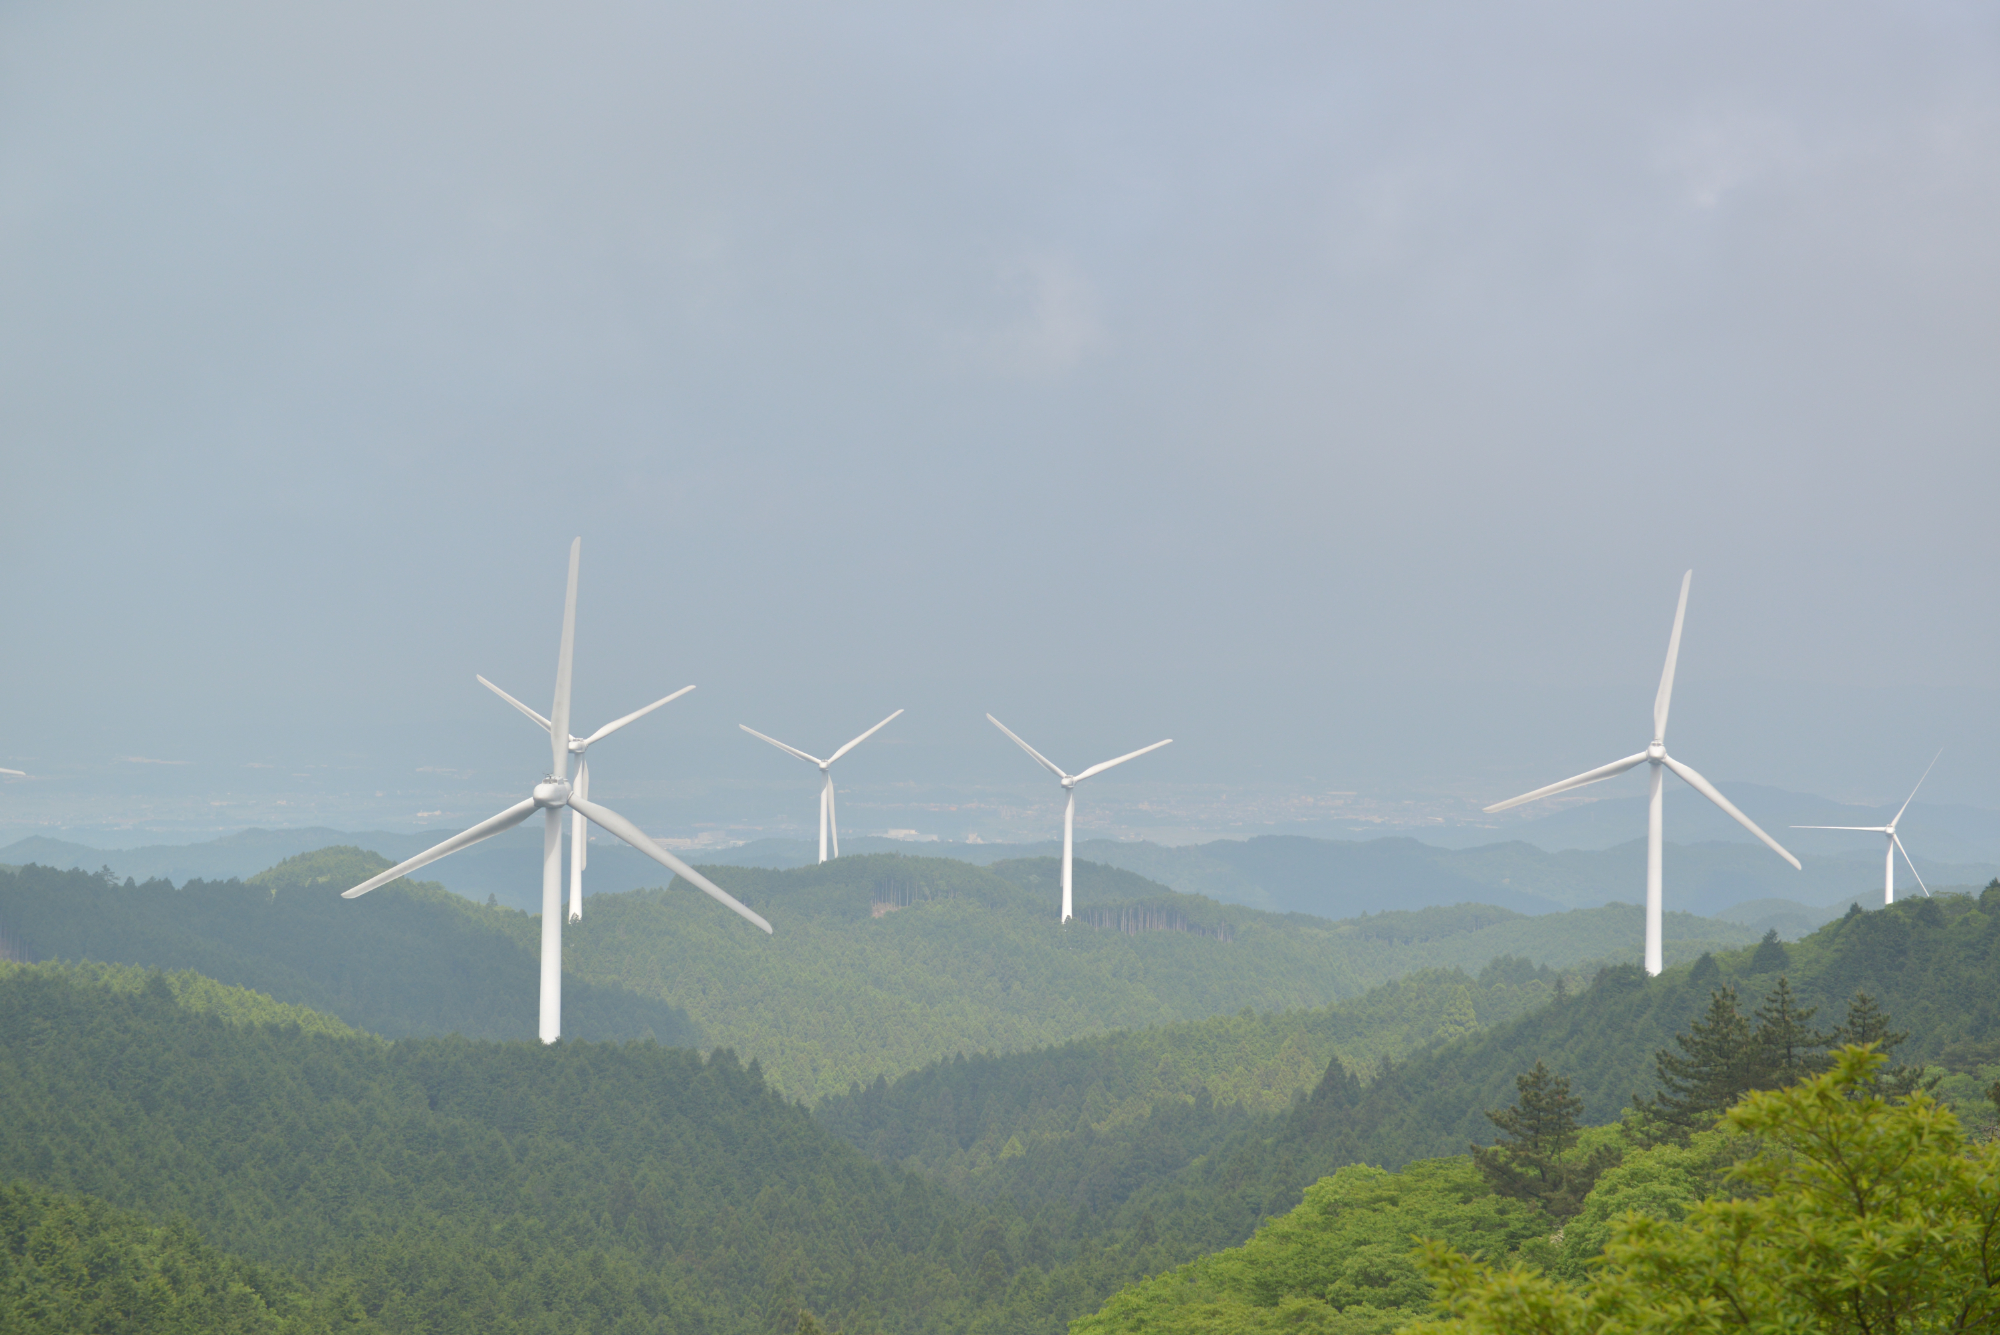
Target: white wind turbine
(828, 821)
(1656, 755)
(579, 833)
(551, 796)
(1069, 783)
(1889, 854)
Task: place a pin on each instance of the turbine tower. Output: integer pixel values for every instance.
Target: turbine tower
(1069, 783)
(551, 796)
(828, 821)
(1889, 854)
(1656, 755)
(579, 832)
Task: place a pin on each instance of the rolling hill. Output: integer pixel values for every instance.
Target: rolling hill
(408, 959)
(1331, 878)
(882, 963)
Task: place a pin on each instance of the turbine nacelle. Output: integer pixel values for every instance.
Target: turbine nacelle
(1657, 752)
(552, 792)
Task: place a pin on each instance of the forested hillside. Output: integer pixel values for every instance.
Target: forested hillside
(72, 1263)
(407, 959)
(1051, 1126)
(454, 1185)
(881, 964)
(1932, 964)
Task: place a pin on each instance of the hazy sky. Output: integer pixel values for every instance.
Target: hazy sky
(1339, 390)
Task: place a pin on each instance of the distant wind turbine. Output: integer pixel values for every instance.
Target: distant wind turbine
(828, 820)
(1656, 755)
(551, 796)
(1069, 783)
(579, 833)
(1895, 844)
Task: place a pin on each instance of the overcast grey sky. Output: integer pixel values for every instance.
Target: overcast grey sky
(1340, 390)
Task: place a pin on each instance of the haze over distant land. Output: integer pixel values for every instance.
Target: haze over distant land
(1341, 392)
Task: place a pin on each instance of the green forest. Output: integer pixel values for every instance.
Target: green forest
(251, 1105)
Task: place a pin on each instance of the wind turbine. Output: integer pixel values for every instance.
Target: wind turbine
(1069, 783)
(551, 796)
(1656, 755)
(1889, 854)
(579, 833)
(827, 819)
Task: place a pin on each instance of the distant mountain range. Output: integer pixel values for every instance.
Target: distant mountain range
(1331, 878)
(1950, 834)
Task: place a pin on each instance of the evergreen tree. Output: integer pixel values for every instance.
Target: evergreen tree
(1528, 1165)
(1717, 1063)
(1866, 1023)
(1771, 955)
(1788, 1049)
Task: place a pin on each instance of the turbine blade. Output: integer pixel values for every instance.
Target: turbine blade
(612, 727)
(16, 773)
(788, 750)
(1709, 791)
(486, 829)
(1100, 768)
(512, 701)
(1666, 695)
(1913, 796)
(1872, 829)
(1912, 866)
(614, 823)
(1614, 769)
(565, 659)
(1040, 759)
(862, 738)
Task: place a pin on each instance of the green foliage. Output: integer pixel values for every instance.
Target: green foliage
(73, 1264)
(1861, 1214)
(884, 963)
(1600, 1038)
(1079, 1126)
(450, 1185)
(1719, 1059)
(1339, 1263)
(190, 991)
(405, 959)
(1532, 1162)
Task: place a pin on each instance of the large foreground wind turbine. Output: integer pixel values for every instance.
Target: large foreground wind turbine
(551, 796)
(1656, 755)
(1889, 854)
(1069, 783)
(579, 834)
(828, 821)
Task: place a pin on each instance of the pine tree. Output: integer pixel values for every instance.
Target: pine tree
(1718, 1061)
(1539, 1129)
(1770, 955)
(1788, 1050)
(1866, 1023)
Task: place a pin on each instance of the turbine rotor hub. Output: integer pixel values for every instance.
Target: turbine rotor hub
(552, 792)
(1656, 752)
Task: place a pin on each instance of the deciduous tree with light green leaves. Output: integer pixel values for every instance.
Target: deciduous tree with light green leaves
(1862, 1213)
